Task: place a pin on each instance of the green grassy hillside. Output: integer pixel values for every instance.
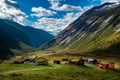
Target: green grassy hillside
(10, 46)
(95, 31)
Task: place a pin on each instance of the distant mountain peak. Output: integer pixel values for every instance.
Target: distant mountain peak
(104, 5)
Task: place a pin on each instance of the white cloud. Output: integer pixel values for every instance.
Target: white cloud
(112, 1)
(12, 1)
(40, 12)
(88, 7)
(55, 25)
(9, 9)
(55, 5)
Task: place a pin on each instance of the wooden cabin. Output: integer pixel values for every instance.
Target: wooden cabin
(77, 63)
(98, 65)
(106, 66)
(56, 61)
(72, 62)
(103, 66)
(81, 62)
(111, 65)
(36, 62)
(65, 59)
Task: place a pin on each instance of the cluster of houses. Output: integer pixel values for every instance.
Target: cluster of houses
(111, 65)
(77, 63)
(43, 61)
(80, 62)
(35, 62)
(91, 61)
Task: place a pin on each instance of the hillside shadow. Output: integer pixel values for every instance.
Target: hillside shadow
(113, 50)
(6, 43)
(5, 53)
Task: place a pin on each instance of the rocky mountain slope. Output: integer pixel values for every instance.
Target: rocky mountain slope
(98, 29)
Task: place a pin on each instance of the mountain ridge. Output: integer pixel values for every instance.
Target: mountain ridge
(32, 34)
(16, 39)
(92, 31)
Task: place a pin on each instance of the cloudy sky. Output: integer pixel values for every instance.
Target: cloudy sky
(50, 15)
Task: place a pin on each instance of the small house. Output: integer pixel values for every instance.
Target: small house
(92, 61)
(56, 61)
(81, 62)
(106, 66)
(31, 62)
(42, 61)
(99, 65)
(36, 62)
(111, 65)
(103, 66)
(72, 62)
(77, 63)
(65, 59)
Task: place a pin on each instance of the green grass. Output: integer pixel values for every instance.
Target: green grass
(66, 72)
(89, 42)
(103, 42)
(8, 67)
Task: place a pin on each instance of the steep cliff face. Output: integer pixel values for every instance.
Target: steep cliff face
(97, 28)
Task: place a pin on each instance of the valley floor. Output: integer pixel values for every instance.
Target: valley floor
(57, 72)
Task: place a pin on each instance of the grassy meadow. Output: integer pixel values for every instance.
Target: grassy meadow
(59, 71)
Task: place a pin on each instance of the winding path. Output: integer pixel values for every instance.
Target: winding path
(32, 69)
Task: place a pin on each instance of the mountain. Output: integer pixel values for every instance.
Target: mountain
(4, 51)
(97, 30)
(28, 35)
(17, 39)
(7, 44)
